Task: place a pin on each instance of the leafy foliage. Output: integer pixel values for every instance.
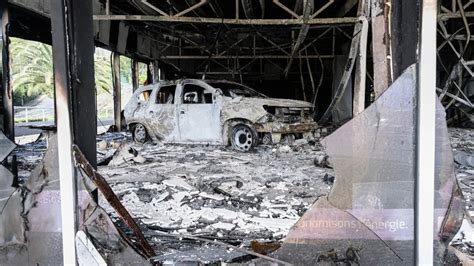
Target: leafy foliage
(32, 70)
(103, 71)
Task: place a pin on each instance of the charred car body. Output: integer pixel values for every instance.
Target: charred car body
(217, 112)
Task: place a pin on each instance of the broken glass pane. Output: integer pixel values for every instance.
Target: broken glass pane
(6, 146)
(368, 217)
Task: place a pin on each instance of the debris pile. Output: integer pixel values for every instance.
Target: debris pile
(181, 195)
(462, 142)
(216, 192)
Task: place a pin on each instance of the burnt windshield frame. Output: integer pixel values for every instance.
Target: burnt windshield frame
(227, 87)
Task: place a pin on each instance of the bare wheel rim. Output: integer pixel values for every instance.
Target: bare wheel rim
(243, 138)
(140, 133)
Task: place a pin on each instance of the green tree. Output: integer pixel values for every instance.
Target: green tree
(32, 70)
(103, 71)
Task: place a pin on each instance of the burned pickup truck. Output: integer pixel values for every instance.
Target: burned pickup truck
(215, 112)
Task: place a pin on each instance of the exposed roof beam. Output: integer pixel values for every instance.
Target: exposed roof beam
(172, 57)
(308, 7)
(446, 16)
(346, 20)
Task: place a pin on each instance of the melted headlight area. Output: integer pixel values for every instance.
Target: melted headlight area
(288, 115)
(285, 123)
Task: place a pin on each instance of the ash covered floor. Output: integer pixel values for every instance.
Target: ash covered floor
(212, 191)
(215, 193)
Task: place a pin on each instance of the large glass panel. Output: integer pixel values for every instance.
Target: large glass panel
(368, 216)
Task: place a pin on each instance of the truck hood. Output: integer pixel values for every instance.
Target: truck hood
(271, 102)
(251, 108)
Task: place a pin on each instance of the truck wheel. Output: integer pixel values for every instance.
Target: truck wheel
(243, 138)
(139, 133)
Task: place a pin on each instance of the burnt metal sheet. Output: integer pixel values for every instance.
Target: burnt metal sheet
(370, 209)
(11, 226)
(11, 232)
(108, 240)
(6, 189)
(6, 146)
(30, 224)
(122, 37)
(143, 44)
(342, 111)
(103, 32)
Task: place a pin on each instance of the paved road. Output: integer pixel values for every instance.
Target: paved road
(22, 129)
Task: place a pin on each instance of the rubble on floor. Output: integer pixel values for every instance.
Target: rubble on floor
(462, 142)
(216, 192)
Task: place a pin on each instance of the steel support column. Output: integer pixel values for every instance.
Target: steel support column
(358, 104)
(149, 75)
(135, 75)
(73, 55)
(6, 89)
(117, 91)
(425, 138)
(404, 17)
(381, 46)
(155, 71)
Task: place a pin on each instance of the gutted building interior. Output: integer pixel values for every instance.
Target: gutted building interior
(262, 132)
